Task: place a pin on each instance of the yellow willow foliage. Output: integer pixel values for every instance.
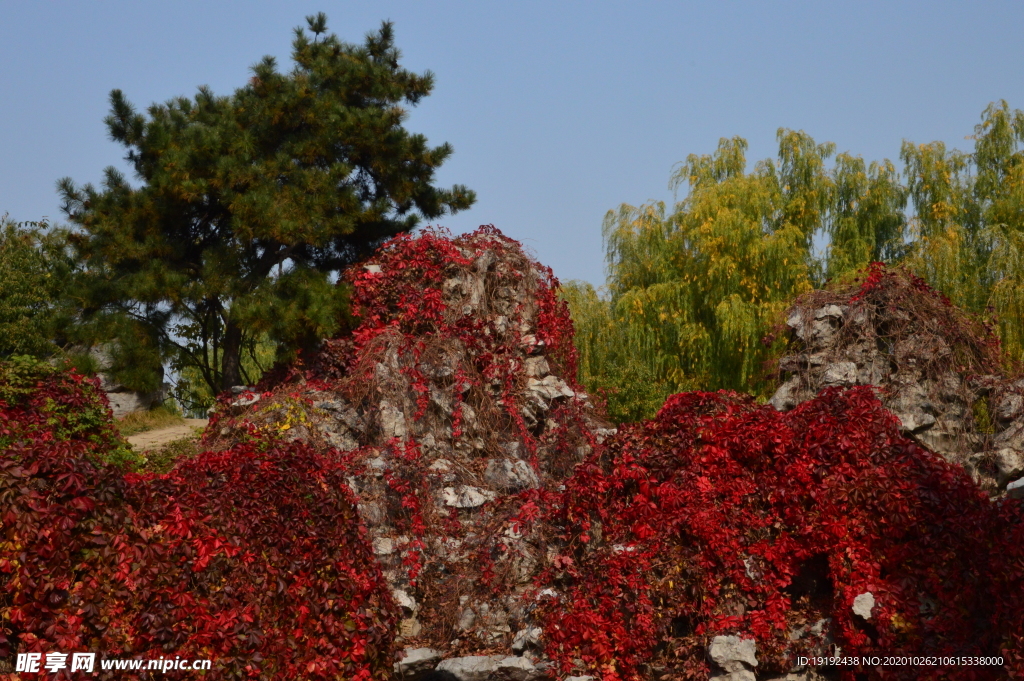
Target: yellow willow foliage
(1008, 291)
(969, 228)
(627, 384)
(694, 292)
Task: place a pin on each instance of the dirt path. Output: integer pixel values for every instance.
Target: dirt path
(151, 439)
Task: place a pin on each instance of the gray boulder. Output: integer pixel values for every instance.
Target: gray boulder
(732, 653)
(415, 660)
(511, 475)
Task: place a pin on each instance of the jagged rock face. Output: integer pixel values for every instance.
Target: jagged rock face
(123, 400)
(454, 400)
(936, 367)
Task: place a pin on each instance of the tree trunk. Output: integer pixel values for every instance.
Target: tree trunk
(231, 356)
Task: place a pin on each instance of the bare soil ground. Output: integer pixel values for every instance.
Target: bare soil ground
(154, 439)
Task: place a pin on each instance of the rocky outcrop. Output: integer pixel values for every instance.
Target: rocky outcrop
(455, 402)
(936, 368)
(123, 400)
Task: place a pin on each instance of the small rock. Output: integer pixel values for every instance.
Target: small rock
(444, 468)
(404, 600)
(245, 400)
(414, 660)
(341, 441)
(864, 604)
(531, 344)
(1015, 490)
(511, 475)
(840, 374)
(828, 311)
(549, 387)
(409, 627)
(786, 397)
(1009, 407)
(915, 422)
(383, 546)
(732, 653)
(376, 467)
(371, 513)
(512, 449)
(466, 496)
(472, 667)
(467, 618)
(526, 638)
(1009, 463)
(537, 367)
(392, 421)
(515, 668)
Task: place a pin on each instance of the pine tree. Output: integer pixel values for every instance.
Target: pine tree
(248, 205)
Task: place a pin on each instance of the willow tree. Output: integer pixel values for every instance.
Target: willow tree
(695, 290)
(248, 205)
(694, 293)
(968, 232)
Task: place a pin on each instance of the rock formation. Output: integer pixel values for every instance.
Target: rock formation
(454, 400)
(512, 523)
(936, 367)
(123, 400)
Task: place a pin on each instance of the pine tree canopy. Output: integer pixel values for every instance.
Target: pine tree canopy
(247, 205)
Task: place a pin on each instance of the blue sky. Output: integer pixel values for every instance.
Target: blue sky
(558, 111)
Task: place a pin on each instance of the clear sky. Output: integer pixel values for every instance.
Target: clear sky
(558, 111)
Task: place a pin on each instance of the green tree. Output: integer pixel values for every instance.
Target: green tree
(34, 307)
(627, 384)
(249, 204)
(969, 225)
(694, 293)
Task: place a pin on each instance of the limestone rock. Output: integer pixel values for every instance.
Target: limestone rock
(515, 669)
(466, 496)
(511, 475)
(392, 421)
(383, 546)
(549, 388)
(840, 373)
(537, 367)
(526, 638)
(1009, 407)
(863, 605)
(787, 396)
(1015, 490)
(732, 653)
(414, 660)
(472, 667)
(404, 600)
(1009, 464)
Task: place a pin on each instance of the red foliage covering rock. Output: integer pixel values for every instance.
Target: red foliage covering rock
(453, 403)
(252, 557)
(435, 480)
(724, 518)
